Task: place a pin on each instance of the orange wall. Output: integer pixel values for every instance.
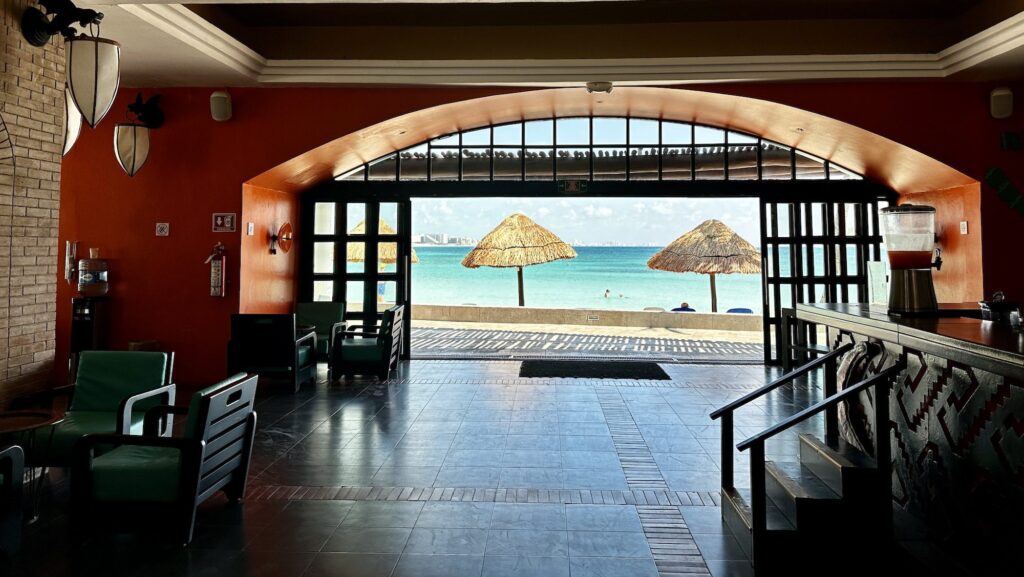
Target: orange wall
(197, 167)
(267, 282)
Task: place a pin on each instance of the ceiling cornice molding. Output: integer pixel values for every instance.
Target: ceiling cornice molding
(192, 29)
(989, 43)
(574, 71)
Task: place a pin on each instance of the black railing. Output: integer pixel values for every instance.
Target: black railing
(881, 384)
(829, 361)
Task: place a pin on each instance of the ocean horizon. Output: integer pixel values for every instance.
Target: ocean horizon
(440, 279)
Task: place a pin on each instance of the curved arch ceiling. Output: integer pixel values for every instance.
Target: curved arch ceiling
(877, 158)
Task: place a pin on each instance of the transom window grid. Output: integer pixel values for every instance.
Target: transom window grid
(599, 148)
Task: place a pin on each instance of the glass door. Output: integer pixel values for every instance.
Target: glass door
(361, 256)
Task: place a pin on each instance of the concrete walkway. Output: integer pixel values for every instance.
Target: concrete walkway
(438, 339)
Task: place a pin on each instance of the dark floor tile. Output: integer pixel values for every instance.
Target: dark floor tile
(368, 540)
(704, 520)
(439, 566)
(429, 541)
(269, 564)
(586, 443)
(313, 513)
(693, 480)
(479, 477)
(610, 567)
(608, 544)
(455, 515)
(295, 538)
(473, 458)
(606, 460)
(528, 543)
(528, 516)
(530, 478)
(404, 477)
(383, 514)
(721, 568)
(532, 458)
(720, 547)
(519, 566)
(594, 479)
(602, 518)
(351, 565)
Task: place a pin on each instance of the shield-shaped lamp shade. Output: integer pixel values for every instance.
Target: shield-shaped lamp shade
(93, 68)
(73, 122)
(131, 146)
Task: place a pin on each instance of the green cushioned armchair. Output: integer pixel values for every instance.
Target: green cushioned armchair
(268, 345)
(366, 350)
(329, 320)
(112, 391)
(12, 471)
(148, 475)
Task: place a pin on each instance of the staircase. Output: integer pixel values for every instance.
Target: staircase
(829, 514)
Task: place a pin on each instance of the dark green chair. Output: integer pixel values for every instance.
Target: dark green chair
(149, 475)
(370, 350)
(329, 320)
(12, 471)
(112, 391)
(268, 345)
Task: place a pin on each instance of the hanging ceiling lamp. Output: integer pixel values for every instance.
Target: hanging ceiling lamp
(72, 122)
(131, 139)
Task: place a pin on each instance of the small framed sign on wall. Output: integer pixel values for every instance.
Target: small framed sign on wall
(223, 222)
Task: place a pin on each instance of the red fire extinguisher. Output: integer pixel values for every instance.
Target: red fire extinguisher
(217, 261)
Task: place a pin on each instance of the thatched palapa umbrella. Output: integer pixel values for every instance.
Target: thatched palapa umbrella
(711, 248)
(515, 243)
(387, 252)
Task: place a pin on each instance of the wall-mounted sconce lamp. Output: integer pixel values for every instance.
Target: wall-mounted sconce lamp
(93, 63)
(282, 240)
(131, 139)
(72, 122)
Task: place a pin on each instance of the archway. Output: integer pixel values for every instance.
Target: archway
(887, 167)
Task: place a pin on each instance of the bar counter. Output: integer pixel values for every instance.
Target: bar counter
(956, 423)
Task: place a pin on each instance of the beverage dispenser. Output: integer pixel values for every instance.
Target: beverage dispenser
(909, 232)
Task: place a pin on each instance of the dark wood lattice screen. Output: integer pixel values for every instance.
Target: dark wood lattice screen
(814, 252)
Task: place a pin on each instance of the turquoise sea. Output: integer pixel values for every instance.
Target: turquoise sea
(440, 278)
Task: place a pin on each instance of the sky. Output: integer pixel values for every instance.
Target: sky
(624, 221)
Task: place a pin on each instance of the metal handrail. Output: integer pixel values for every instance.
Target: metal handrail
(786, 378)
(881, 382)
(822, 405)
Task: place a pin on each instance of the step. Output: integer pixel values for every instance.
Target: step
(739, 519)
(805, 500)
(842, 467)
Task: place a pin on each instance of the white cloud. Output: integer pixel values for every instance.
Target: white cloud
(597, 211)
(543, 211)
(664, 208)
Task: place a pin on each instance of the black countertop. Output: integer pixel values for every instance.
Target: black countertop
(975, 342)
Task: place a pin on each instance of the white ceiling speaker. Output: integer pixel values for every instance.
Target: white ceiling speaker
(605, 87)
(220, 106)
(1001, 103)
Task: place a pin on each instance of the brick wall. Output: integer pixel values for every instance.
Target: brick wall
(31, 104)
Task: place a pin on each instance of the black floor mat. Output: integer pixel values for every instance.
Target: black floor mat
(592, 370)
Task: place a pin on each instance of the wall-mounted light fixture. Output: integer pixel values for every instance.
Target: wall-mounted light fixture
(282, 240)
(131, 139)
(92, 63)
(72, 122)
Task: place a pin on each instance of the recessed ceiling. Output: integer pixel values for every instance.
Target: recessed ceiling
(556, 43)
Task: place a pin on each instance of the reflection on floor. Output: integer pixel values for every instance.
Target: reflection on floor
(459, 468)
(433, 343)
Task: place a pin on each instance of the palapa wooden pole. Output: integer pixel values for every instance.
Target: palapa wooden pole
(714, 294)
(522, 300)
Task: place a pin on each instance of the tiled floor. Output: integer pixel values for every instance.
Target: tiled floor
(458, 468)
